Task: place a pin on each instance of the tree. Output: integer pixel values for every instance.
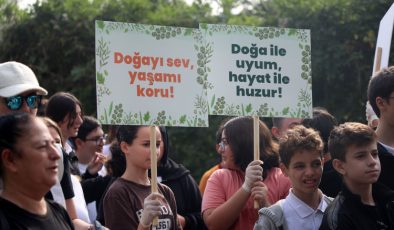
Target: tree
(343, 36)
(56, 39)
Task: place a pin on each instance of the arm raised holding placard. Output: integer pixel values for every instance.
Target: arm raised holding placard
(230, 192)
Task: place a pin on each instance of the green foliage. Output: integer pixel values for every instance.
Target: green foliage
(56, 39)
(343, 34)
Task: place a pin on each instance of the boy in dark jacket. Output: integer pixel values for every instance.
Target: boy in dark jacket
(362, 203)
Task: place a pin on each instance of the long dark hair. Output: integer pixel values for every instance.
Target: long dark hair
(60, 105)
(239, 135)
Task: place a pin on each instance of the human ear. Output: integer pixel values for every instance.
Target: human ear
(8, 160)
(78, 142)
(275, 132)
(380, 102)
(339, 166)
(284, 169)
(124, 147)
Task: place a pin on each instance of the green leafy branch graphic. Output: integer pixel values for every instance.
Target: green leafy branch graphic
(226, 28)
(268, 32)
(306, 66)
(123, 27)
(163, 32)
(103, 52)
(204, 54)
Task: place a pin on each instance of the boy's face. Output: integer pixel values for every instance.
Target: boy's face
(305, 170)
(362, 165)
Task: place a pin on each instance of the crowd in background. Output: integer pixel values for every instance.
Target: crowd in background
(59, 170)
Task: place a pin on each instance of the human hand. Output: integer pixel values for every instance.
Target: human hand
(151, 209)
(253, 173)
(97, 163)
(181, 220)
(259, 193)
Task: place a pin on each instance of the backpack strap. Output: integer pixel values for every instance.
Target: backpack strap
(275, 213)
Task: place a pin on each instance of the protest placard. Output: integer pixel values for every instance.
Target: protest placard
(148, 75)
(383, 43)
(258, 71)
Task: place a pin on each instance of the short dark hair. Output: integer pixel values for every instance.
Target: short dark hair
(88, 125)
(297, 139)
(61, 104)
(380, 85)
(323, 122)
(239, 135)
(348, 134)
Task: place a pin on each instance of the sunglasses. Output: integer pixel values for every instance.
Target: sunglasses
(16, 102)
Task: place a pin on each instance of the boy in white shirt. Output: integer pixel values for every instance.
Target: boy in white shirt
(302, 161)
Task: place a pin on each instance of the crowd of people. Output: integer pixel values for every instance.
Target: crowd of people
(59, 170)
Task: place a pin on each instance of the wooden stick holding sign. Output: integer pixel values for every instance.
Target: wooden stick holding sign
(153, 165)
(378, 59)
(256, 146)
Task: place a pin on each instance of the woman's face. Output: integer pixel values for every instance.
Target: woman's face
(37, 164)
(55, 135)
(227, 153)
(71, 131)
(138, 152)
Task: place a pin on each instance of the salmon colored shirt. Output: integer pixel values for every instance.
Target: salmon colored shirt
(205, 177)
(224, 183)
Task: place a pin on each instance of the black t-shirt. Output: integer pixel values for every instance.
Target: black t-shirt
(18, 218)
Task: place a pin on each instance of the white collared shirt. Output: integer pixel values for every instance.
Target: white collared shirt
(299, 216)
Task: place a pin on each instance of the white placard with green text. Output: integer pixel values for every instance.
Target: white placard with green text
(258, 71)
(147, 75)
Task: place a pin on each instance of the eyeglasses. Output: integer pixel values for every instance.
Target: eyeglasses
(16, 102)
(223, 143)
(98, 140)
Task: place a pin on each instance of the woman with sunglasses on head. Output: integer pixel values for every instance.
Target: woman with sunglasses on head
(230, 193)
(129, 203)
(28, 167)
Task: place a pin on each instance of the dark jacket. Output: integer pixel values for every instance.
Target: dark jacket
(387, 165)
(348, 212)
(186, 191)
(331, 181)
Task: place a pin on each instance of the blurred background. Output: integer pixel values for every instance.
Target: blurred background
(56, 39)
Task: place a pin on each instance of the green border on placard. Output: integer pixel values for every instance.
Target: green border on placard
(223, 106)
(115, 114)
